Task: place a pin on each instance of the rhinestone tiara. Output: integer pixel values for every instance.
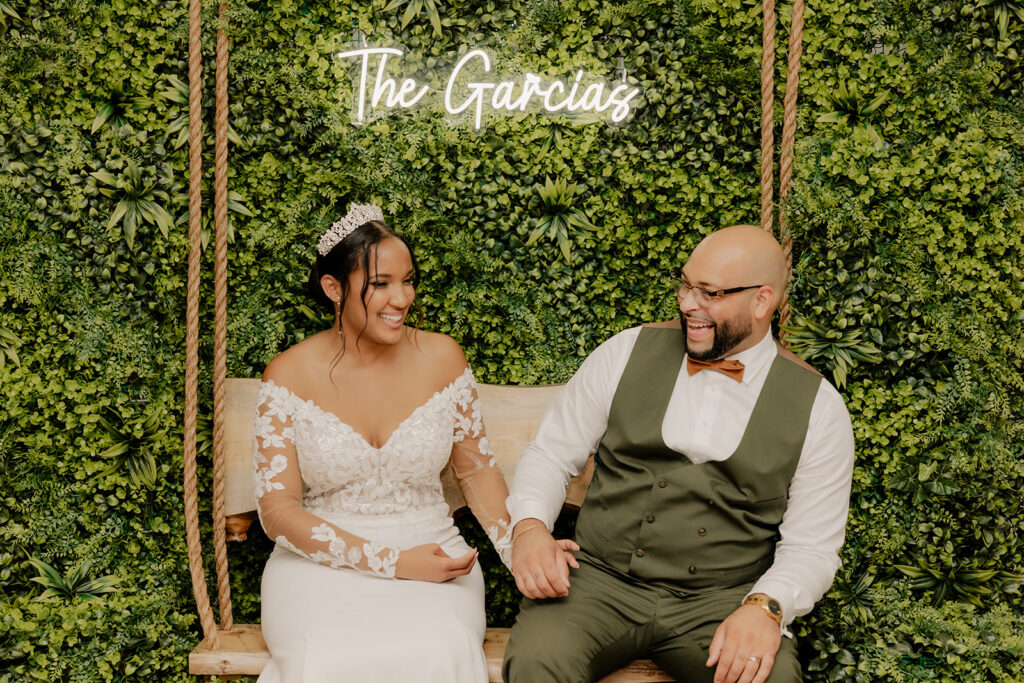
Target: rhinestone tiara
(340, 229)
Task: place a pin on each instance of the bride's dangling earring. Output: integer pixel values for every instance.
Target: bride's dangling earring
(337, 316)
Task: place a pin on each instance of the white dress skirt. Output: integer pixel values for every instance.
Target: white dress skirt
(326, 625)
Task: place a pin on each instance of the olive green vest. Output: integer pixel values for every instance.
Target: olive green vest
(653, 515)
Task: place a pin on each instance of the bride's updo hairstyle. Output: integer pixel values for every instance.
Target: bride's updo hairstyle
(352, 252)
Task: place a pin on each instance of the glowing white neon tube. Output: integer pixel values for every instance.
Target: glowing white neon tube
(504, 95)
(365, 54)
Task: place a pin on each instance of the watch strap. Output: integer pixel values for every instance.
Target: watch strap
(770, 605)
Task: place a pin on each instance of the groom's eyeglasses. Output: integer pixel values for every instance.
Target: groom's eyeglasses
(705, 296)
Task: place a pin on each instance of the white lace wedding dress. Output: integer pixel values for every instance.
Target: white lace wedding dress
(340, 510)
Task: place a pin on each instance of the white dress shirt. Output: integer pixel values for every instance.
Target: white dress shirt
(706, 417)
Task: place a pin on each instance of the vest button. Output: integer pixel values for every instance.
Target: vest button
(662, 483)
(710, 502)
(639, 552)
(701, 532)
(693, 569)
(650, 518)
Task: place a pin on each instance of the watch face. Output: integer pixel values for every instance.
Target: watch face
(775, 608)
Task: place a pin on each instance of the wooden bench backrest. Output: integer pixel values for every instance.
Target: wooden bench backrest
(512, 415)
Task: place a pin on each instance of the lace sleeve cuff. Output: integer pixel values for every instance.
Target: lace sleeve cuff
(500, 535)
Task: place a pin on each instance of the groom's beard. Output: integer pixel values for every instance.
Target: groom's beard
(728, 335)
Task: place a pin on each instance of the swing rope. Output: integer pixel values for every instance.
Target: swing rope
(193, 540)
(195, 203)
(767, 113)
(796, 32)
(220, 321)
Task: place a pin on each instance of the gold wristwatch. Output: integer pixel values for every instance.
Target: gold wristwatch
(769, 605)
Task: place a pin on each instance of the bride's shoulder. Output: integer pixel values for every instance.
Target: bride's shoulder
(441, 352)
(291, 366)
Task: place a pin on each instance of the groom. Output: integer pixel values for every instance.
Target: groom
(718, 503)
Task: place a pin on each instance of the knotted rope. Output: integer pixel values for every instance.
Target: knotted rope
(193, 541)
(796, 32)
(767, 112)
(195, 215)
(788, 132)
(220, 270)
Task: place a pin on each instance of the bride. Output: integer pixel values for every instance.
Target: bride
(353, 428)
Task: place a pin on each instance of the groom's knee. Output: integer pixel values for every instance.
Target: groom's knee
(596, 629)
(555, 642)
(542, 651)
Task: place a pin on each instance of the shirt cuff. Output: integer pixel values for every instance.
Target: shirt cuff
(527, 509)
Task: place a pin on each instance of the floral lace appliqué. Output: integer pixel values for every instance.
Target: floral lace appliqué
(500, 535)
(264, 475)
(382, 560)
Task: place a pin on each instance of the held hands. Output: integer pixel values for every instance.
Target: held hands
(541, 564)
(744, 646)
(428, 562)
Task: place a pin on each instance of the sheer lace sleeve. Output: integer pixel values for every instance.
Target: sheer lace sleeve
(279, 496)
(476, 470)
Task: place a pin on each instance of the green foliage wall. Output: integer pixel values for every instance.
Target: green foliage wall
(908, 216)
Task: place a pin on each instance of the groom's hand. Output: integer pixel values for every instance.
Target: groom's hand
(744, 646)
(540, 564)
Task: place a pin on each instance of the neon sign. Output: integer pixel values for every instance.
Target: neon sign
(615, 101)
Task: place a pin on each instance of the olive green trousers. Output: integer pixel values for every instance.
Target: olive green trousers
(607, 621)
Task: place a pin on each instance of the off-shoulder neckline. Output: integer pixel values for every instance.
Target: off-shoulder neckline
(270, 385)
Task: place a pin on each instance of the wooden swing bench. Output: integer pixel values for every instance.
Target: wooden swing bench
(511, 415)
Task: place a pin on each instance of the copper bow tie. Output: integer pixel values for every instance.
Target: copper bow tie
(729, 368)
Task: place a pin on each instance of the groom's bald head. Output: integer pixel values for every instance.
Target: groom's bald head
(749, 264)
(743, 255)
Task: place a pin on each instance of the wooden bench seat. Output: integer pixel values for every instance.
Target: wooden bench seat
(242, 652)
(511, 416)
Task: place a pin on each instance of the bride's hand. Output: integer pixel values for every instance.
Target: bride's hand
(428, 562)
